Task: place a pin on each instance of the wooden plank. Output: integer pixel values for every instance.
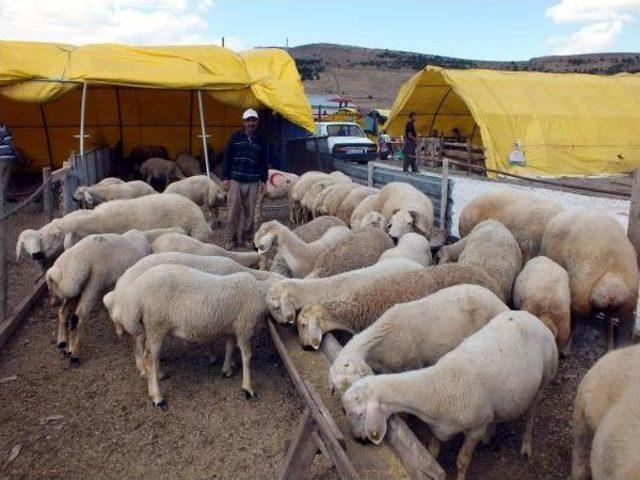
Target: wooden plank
(302, 450)
(10, 325)
(338, 455)
(416, 459)
(325, 413)
(633, 229)
(47, 194)
(444, 194)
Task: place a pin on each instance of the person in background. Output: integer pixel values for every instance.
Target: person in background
(244, 174)
(7, 159)
(383, 144)
(410, 142)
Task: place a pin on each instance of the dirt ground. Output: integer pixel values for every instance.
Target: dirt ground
(96, 420)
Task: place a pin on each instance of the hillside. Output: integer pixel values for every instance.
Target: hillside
(373, 76)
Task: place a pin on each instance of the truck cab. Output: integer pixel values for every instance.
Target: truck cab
(347, 141)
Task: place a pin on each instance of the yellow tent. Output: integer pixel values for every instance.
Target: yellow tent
(568, 124)
(140, 95)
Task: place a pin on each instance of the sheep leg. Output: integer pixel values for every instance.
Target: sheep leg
(434, 446)
(245, 352)
(227, 367)
(152, 346)
(580, 453)
(258, 213)
(139, 353)
(526, 449)
(88, 298)
(491, 430)
(64, 312)
(465, 454)
(452, 252)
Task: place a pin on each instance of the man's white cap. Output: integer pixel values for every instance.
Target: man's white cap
(249, 113)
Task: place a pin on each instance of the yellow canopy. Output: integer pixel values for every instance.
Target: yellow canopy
(568, 124)
(144, 95)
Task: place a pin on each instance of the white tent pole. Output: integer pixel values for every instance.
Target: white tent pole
(204, 133)
(82, 110)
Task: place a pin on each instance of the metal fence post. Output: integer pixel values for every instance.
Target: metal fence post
(47, 193)
(444, 194)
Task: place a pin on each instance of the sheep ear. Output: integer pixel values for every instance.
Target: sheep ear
(420, 223)
(375, 423)
(87, 196)
(395, 210)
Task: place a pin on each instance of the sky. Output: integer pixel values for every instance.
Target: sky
(475, 29)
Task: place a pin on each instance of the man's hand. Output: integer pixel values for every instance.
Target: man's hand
(261, 187)
(226, 184)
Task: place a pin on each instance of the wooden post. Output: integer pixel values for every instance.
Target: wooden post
(3, 260)
(370, 168)
(47, 194)
(444, 194)
(633, 229)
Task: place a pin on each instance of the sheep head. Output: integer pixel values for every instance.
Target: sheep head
(365, 413)
(281, 304)
(401, 223)
(310, 325)
(375, 220)
(31, 242)
(344, 373)
(266, 236)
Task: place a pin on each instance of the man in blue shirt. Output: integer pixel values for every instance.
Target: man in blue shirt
(244, 174)
(7, 159)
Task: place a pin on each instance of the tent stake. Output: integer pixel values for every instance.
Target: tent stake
(204, 134)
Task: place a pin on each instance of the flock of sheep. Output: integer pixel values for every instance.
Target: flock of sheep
(462, 345)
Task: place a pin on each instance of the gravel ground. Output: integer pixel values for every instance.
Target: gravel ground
(96, 421)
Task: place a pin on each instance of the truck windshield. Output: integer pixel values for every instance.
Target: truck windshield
(344, 131)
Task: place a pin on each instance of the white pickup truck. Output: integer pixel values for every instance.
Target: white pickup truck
(347, 141)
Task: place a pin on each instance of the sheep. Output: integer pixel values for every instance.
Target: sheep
(542, 288)
(524, 214)
(300, 257)
(308, 200)
(44, 245)
(359, 305)
(495, 375)
(334, 199)
(317, 202)
(601, 262)
(278, 186)
(411, 335)
(81, 276)
(492, 247)
(188, 165)
(606, 419)
(97, 194)
(406, 209)
(144, 213)
(365, 207)
(360, 248)
(160, 169)
(373, 220)
(353, 199)
(308, 232)
(181, 243)
(412, 246)
(299, 189)
(202, 191)
(288, 296)
(110, 181)
(199, 313)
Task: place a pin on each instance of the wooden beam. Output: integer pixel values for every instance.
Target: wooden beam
(633, 229)
(47, 194)
(302, 450)
(10, 325)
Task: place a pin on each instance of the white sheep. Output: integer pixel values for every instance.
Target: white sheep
(122, 292)
(542, 288)
(299, 189)
(360, 248)
(300, 257)
(606, 427)
(180, 243)
(493, 376)
(144, 213)
(288, 296)
(492, 247)
(308, 200)
(188, 165)
(365, 207)
(353, 199)
(83, 273)
(202, 191)
(110, 181)
(308, 232)
(360, 304)
(406, 209)
(334, 198)
(96, 194)
(160, 169)
(412, 246)
(373, 220)
(44, 245)
(524, 214)
(193, 306)
(602, 265)
(415, 334)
